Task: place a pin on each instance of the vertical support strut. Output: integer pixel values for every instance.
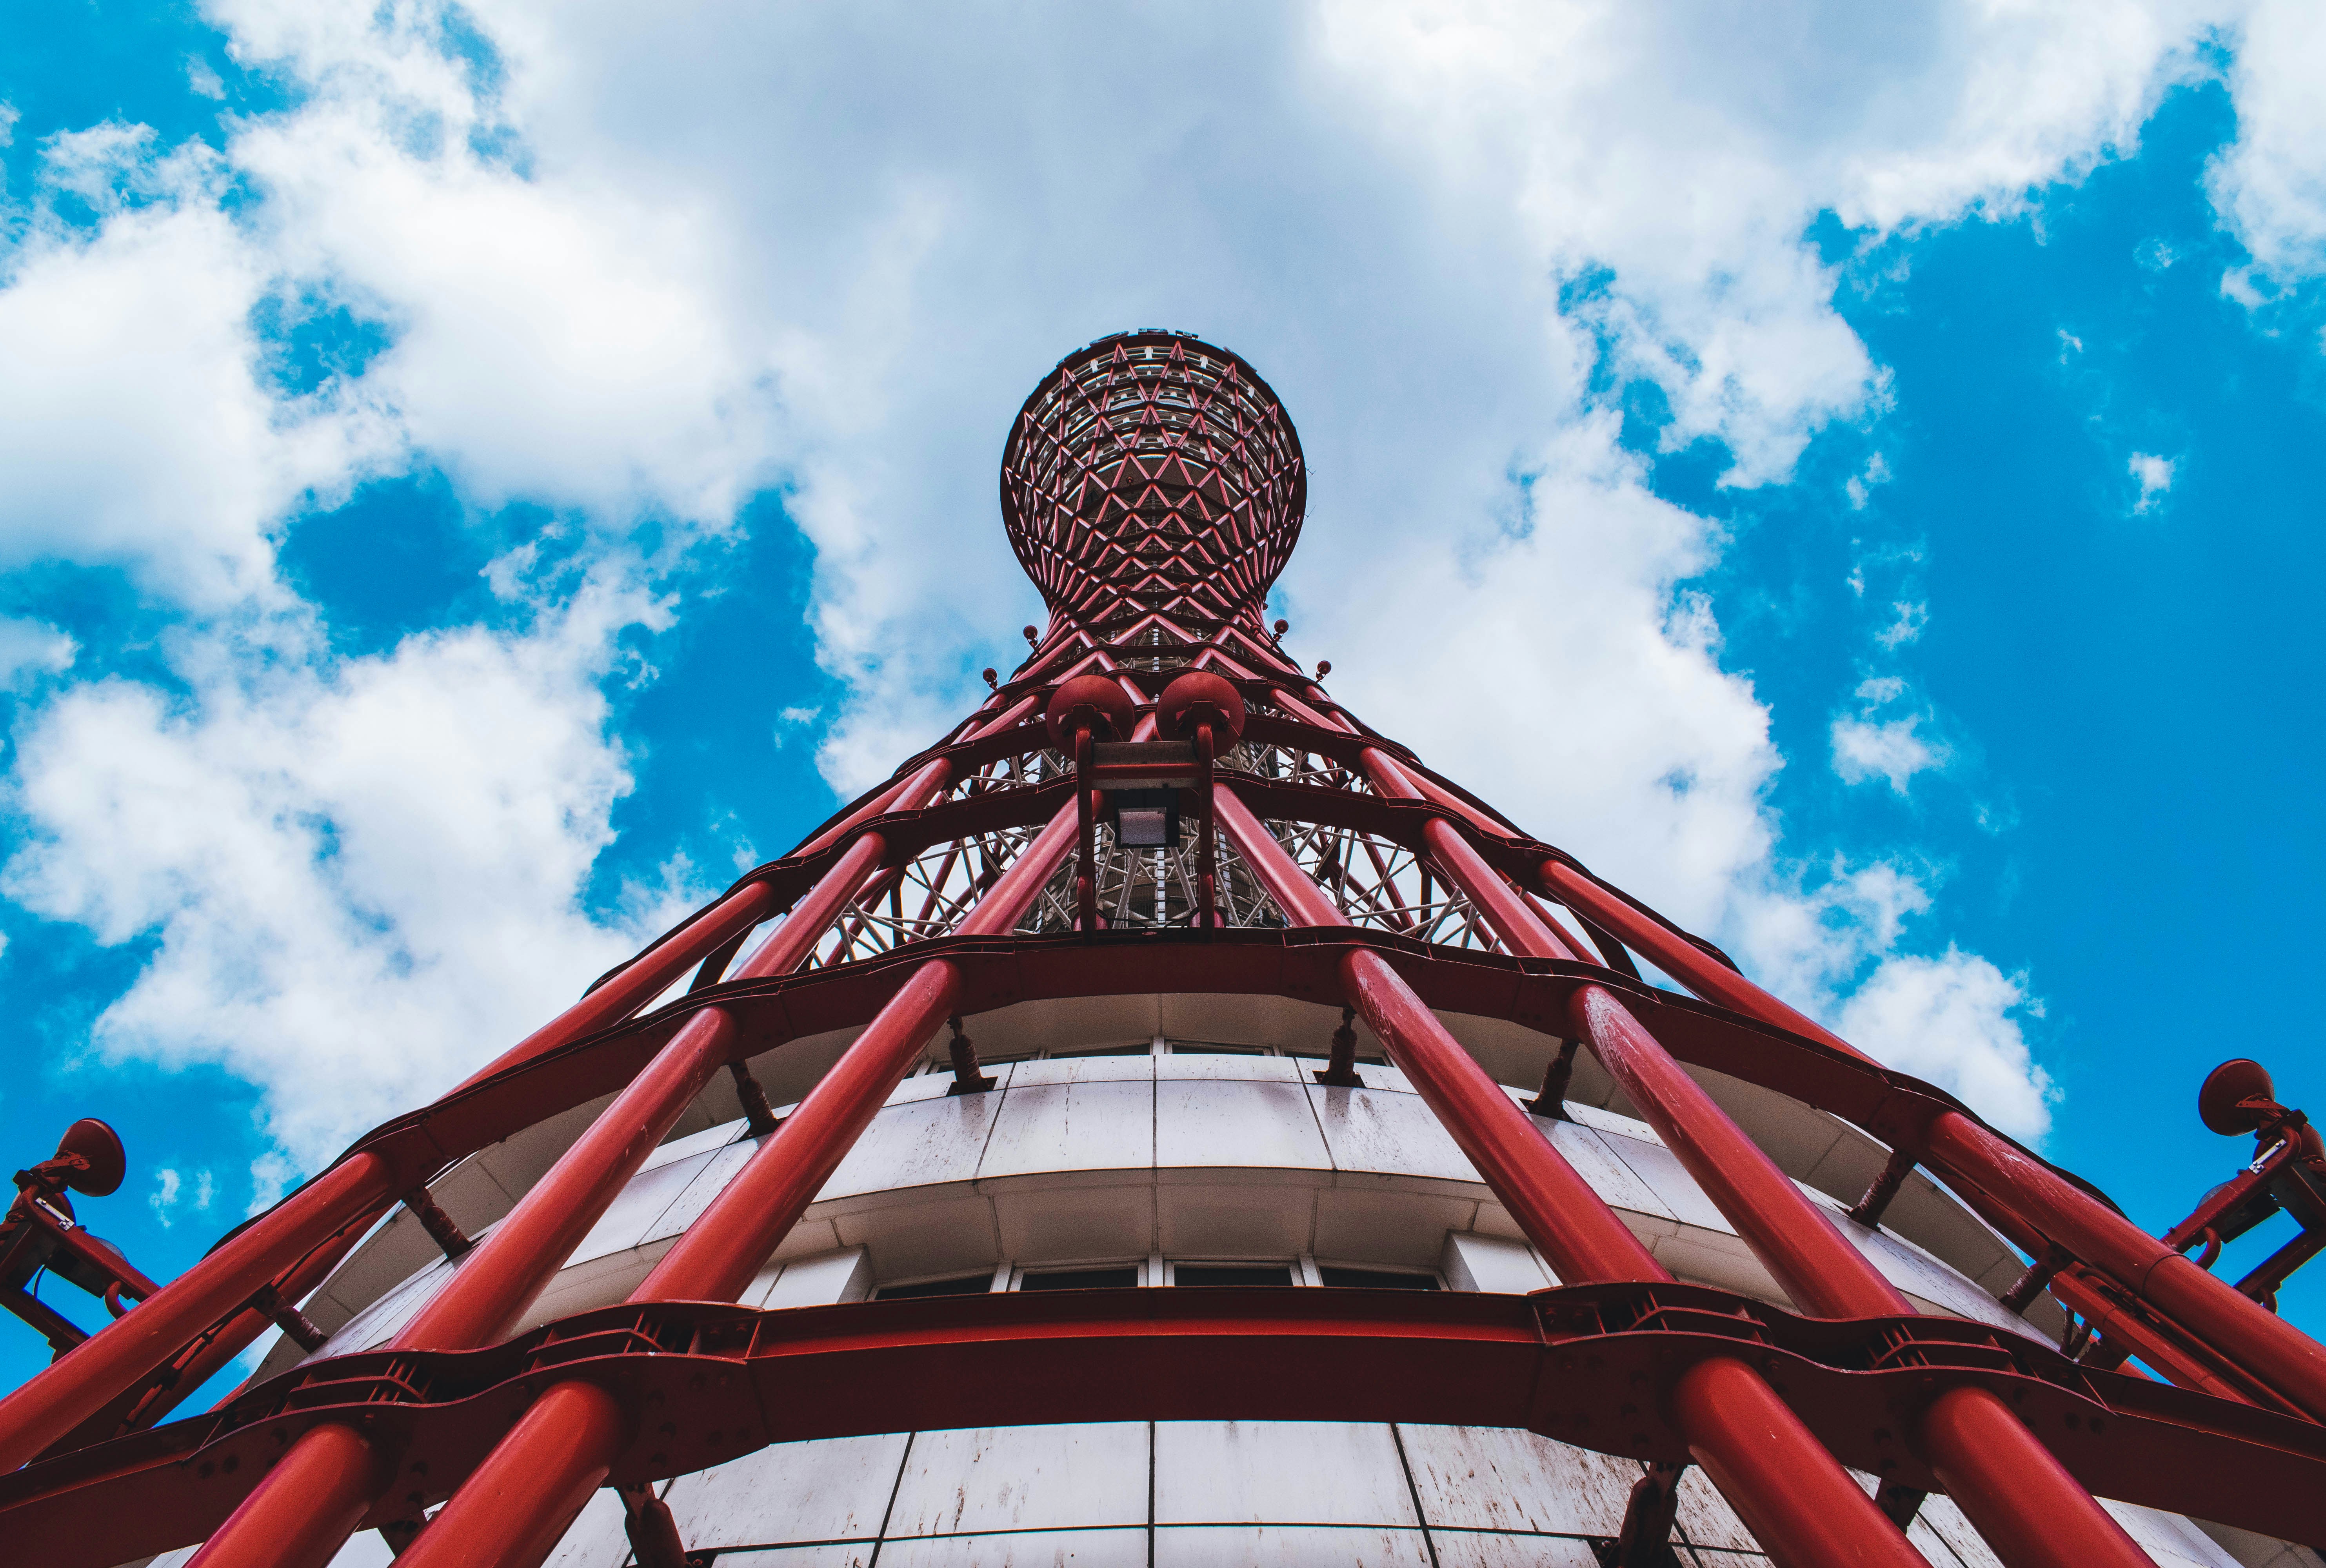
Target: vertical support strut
(512, 1510)
(502, 1277)
(1822, 1272)
(1738, 1430)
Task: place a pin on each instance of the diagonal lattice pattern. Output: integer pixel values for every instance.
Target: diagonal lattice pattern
(1153, 471)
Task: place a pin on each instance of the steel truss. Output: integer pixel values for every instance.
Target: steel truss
(1153, 488)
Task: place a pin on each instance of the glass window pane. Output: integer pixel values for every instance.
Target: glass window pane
(1376, 1279)
(1083, 1279)
(1218, 1273)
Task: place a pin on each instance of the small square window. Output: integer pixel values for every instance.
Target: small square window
(1123, 1278)
(1228, 1274)
(1376, 1279)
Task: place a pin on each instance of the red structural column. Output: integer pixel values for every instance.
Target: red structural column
(59, 1398)
(310, 1503)
(1679, 958)
(1822, 1517)
(2003, 1176)
(2240, 1329)
(1502, 905)
(495, 1285)
(2054, 1521)
(512, 1510)
(2045, 1517)
(63, 1395)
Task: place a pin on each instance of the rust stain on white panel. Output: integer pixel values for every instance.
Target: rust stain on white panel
(1374, 1130)
(917, 1145)
(834, 1489)
(1073, 1127)
(1023, 1478)
(1214, 1124)
(1051, 1549)
(1339, 1472)
(1489, 1478)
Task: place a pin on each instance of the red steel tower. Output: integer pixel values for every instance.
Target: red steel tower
(1535, 1262)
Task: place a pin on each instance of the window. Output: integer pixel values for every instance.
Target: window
(1121, 1276)
(1141, 1049)
(1220, 1274)
(1215, 1048)
(966, 1284)
(1375, 1280)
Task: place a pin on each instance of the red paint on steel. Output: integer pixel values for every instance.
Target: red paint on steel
(1820, 1269)
(514, 1508)
(1495, 900)
(1824, 1274)
(2282, 1357)
(500, 1280)
(497, 1281)
(718, 1255)
(59, 1398)
(304, 1511)
(2025, 1504)
(1788, 1490)
(1679, 958)
(1552, 1204)
(654, 973)
(1303, 902)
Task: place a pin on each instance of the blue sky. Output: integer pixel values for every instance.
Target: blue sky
(472, 478)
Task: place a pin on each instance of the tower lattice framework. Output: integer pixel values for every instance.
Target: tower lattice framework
(1160, 801)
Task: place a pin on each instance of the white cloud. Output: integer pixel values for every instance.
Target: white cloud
(363, 877)
(2155, 475)
(638, 275)
(1911, 615)
(30, 647)
(1868, 747)
(164, 1199)
(1954, 1020)
(2270, 184)
(1890, 750)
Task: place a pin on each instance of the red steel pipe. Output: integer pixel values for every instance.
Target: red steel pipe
(2009, 1485)
(1822, 1270)
(2038, 1504)
(654, 973)
(489, 1292)
(1679, 958)
(59, 1398)
(1498, 903)
(2240, 1329)
(718, 1255)
(305, 1509)
(496, 1283)
(511, 1511)
(521, 1500)
(1787, 1488)
(1824, 1520)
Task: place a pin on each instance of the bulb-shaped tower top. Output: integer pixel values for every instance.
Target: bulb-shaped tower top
(1153, 472)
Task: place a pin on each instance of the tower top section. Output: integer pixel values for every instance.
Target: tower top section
(1152, 472)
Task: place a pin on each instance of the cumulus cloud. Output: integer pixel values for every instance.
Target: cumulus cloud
(638, 276)
(1955, 1020)
(2155, 476)
(361, 877)
(2270, 183)
(29, 648)
(1867, 745)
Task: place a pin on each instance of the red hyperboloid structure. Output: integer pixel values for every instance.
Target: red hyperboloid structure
(1744, 1250)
